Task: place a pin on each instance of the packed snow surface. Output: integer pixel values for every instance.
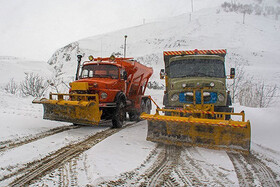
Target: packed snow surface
(254, 44)
(119, 153)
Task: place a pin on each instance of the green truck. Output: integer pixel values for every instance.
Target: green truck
(197, 106)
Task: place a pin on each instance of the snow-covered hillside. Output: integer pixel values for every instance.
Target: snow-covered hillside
(16, 68)
(125, 158)
(255, 43)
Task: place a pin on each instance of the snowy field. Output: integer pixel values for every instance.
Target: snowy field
(122, 152)
(125, 158)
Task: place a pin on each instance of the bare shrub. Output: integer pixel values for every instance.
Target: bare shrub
(247, 91)
(155, 85)
(238, 82)
(257, 94)
(265, 94)
(277, 13)
(258, 8)
(238, 62)
(58, 84)
(246, 9)
(11, 87)
(33, 85)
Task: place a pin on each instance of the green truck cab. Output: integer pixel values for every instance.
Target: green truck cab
(196, 77)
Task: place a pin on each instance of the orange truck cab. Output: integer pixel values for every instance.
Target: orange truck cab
(120, 84)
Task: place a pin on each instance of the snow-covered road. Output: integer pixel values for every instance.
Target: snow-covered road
(122, 157)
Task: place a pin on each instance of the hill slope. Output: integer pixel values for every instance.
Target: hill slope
(254, 44)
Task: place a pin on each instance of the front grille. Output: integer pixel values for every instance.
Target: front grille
(83, 92)
(186, 97)
(207, 98)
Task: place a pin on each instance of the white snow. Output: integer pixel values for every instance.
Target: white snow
(13, 67)
(119, 153)
(265, 126)
(255, 43)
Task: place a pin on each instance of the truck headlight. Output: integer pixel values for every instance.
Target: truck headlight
(189, 93)
(175, 97)
(103, 95)
(221, 98)
(206, 94)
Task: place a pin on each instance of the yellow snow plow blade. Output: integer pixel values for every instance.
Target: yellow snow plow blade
(194, 131)
(77, 108)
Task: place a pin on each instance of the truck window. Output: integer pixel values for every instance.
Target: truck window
(100, 70)
(85, 73)
(197, 68)
(90, 74)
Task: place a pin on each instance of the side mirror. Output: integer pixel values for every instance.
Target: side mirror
(232, 73)
(162, 74)
(124, 75)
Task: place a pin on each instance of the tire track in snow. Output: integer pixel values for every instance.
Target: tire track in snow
(160, 174)
(154, 171)
(190, 172)
(10, 144)
(269, 157)
(185, 180)
(39, 168)
(204, 171)
(172, 166)
(68, 174)
(264, 173)
(252, 171)
(137, 177)
(244, 175)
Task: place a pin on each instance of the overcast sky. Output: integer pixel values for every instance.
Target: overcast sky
(36, 28)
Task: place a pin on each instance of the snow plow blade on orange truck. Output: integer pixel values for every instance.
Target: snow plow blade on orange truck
(197, 108)
(80, 109)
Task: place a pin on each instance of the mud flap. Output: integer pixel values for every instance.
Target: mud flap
(190, 131)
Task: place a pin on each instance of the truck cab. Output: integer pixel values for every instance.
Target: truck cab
(187, 74)
(120, 84)
(104, 79)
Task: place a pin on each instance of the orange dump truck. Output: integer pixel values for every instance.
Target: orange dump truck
(105, 88)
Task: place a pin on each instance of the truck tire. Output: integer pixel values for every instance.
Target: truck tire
(119, 115)
(134, 116)
(146, 107)
(226, 109)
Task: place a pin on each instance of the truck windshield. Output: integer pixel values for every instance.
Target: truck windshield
(197, 68)
(100, 70)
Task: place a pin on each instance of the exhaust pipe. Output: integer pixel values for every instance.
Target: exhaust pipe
(78, 67)
(124, 52)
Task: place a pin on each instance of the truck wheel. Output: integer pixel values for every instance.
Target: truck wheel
(134, 116)
(119, 115)
(227, 109)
